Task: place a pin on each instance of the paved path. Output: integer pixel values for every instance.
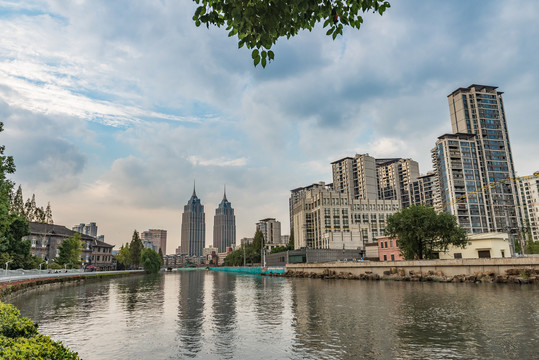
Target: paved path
(45, 275)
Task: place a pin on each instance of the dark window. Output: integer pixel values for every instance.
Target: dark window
(483, 254)
(457, 255)
(385, 257)
(392, 257)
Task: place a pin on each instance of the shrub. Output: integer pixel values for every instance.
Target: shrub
(55, 266)
(19, 338)
(12, 325)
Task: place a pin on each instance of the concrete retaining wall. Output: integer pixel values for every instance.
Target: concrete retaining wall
(447, 267)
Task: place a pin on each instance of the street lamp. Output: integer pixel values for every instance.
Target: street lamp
(7, 266)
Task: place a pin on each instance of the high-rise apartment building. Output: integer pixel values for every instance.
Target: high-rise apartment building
(395, 177)
(460, 180)
(424, 191)
(356, 176)
(224, 225)
(529, 198)
(86, 229)
(479, 110)
(193, 227)
(158, 237)
(270, 229)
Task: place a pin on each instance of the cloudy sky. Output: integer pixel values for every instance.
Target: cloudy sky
(113, 108)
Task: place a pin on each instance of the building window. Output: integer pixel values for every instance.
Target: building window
(385, 257)
(390, 243)
(457, 255)
(392, 257)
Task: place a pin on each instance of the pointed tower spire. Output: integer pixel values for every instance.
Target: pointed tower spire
(194, 191)
(224, 195)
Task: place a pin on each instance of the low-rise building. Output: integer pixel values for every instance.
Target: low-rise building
(46, 238)
(388, 249)
(102, 257)
(486, 245)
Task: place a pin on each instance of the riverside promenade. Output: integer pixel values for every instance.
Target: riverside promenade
(14, 280)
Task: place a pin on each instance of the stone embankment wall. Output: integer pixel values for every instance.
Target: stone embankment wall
(517, 270)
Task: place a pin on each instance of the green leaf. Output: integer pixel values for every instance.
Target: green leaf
(271, 55)
(330, 31)
(256, 60)
(264, 62)
(255, 54)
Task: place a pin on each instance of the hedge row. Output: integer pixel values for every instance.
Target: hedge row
(19, 338)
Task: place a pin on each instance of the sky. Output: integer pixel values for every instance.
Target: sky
(112, 109)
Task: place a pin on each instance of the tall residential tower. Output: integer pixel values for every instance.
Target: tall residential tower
(479, 110)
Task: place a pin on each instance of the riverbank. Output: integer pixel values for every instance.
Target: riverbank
(11, 285)
(508, 270)
(256, 270)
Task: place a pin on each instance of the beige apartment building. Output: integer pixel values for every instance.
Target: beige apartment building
(356, 176)
(158, 237)
(528, 187)
(395, 179)
(328, 219)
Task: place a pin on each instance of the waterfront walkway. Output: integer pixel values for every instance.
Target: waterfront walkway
(22, 275)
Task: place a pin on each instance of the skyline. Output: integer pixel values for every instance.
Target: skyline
(111, 110)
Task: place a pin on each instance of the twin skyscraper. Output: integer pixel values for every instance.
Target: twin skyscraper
(193, 236)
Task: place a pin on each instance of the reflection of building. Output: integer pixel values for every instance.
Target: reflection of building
(86, 229)
(529, 198)
(270, 229)
(46, 238)
(224, 225)
(193, 227)
(158, 237)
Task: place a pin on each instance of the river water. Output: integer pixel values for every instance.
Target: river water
(215, 315)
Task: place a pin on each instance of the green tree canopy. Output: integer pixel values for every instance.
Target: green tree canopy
(252, 252)
(135, 249)
(422, 233)
(124, 257)
(70, 251)
(259, 24)
(150, 261)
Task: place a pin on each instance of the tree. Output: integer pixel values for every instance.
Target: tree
(422, 233)
(13, 227)
(48, 214)
(150, 261)
(30, 208)
(135, 249)
(252, 252)
(124, 257)
(259, 24)
(70, 251)
(17, 206)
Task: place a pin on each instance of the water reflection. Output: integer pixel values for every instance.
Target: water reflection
(190, 312)
(212, 315)
(224, 314)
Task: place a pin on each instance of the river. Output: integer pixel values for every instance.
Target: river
(215, 315)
